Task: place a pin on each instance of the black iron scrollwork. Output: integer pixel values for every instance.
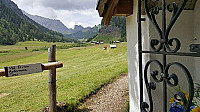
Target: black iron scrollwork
(188, 101)
(165, 46)
(151, 85)
(164, 40)
(164, 75)
(176, 14)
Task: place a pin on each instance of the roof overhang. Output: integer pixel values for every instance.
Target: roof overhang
(109, 8)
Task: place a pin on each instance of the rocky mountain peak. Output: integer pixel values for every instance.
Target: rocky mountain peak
(52, 24)
(78, 27)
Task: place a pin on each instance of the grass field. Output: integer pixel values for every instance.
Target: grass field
(85, 69)
(106, 39)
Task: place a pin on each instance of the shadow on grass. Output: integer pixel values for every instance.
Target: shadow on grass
(62, 107)
(68, 107)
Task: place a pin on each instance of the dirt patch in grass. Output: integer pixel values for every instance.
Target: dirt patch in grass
(3, 95)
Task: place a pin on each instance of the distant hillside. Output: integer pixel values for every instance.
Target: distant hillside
(79, 32)
(55, 25)
(14, 27)
(108, 33)
(119, 22)
(83, 33)
(11, 5)
(110, 30)
(115, 31)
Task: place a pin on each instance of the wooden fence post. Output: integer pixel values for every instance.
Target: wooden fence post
(52, 80)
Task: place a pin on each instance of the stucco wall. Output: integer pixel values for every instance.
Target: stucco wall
(197, 36)
(132, 64)
(132, 52)
(131, 24)
(185, 29)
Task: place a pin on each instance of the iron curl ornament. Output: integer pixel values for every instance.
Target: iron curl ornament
(164, 41)
(164, 45)
(172, 81)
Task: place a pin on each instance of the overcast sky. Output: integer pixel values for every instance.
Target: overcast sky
(70, 12)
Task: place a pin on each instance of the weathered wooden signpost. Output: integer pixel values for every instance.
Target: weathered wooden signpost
(18, 70)
(52, 80)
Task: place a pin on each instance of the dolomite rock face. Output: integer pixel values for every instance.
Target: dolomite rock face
(110, 31)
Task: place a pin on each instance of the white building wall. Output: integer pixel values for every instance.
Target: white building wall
(132, 64)
(132, 52)
(185, 29)
(197, 40)
(131, 26)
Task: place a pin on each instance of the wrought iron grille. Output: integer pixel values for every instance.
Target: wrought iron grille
(163, 46)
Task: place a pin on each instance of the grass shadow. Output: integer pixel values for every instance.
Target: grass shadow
(62, 107)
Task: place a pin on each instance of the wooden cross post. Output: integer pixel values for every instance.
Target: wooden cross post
(52, 80)
(17, 70)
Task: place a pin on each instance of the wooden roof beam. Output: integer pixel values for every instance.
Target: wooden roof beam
(109, 8)
(110, 12)
(124, 8)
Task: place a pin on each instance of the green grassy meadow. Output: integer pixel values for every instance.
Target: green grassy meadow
(85, 70)
(106, 39)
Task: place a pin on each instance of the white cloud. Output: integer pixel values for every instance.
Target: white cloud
(69, 4)
(70, 12)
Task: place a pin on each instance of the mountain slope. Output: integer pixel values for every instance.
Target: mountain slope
(115, 31)
(83, 33)
(11, 5)
(14, 28)
(79, 32)
(55, 25)
(119, 22)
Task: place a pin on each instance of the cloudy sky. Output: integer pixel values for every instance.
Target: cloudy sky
(70, 12)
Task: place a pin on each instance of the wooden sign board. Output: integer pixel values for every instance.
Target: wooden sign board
(18, 70)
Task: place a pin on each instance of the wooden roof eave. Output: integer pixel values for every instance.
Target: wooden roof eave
(106, 9)
(110, 11)
(109, 8)
(102, 7)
